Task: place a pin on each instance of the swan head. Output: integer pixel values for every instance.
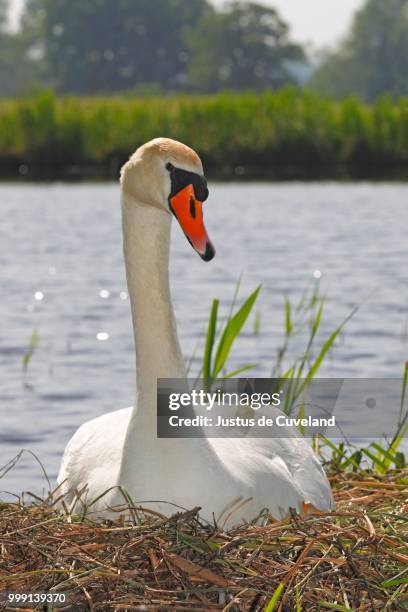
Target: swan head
(168, 175)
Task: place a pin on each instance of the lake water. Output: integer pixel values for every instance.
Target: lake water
(61, 273)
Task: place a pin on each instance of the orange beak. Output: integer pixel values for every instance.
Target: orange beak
(189, 213)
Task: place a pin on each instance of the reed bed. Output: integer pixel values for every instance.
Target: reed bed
(282, 134)
(355, 558)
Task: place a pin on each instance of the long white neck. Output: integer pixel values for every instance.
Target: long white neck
(146, 235)
(146, 232)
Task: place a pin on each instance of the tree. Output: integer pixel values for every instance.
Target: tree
(99, 45)
(20, 61)
(6, 51)
(4, 6)
(374, 58)
(244, 46)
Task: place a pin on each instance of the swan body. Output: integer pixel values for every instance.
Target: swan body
(232, 480)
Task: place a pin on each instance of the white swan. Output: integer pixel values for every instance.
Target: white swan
(121, 448)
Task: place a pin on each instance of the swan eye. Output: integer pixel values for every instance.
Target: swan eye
(169, 167)
(202, 192)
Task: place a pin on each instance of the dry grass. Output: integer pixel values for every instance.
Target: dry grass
(353, 559)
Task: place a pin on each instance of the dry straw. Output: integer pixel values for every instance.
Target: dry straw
(355, 558)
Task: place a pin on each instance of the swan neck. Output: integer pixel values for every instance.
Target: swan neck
(146, 234)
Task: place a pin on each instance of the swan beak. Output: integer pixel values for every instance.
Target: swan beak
(189, 213)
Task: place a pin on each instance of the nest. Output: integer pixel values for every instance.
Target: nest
(355, 558)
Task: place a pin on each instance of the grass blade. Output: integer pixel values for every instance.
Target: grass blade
(396, 582)
(288, 317)
(403, 419)
(389, 457)
(32, 345)
(240, 370)
(271, 605)
(231, 331)
(325, 348)
(209, 344)
(377, 463)
(257, 324)
(404, 391)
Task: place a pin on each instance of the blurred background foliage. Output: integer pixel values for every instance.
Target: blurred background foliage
(374, 57)
(289, 133)
(99, 46)
(190, 46)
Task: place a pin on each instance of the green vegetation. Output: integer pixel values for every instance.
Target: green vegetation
(301, 319)
(304, 319)
(195, 46)
(244, 46)
(213, 365)
(32, 345)
(100, 46)
(373, 58)
(279, 135)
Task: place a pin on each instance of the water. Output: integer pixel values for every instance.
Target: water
(62, 273)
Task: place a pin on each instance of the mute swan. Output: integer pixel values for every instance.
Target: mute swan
(164, 178)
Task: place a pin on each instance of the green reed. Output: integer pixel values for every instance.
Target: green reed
(32, 346)
(300, 320)
(285, 133)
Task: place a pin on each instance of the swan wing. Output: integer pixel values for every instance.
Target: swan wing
(92, 457)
